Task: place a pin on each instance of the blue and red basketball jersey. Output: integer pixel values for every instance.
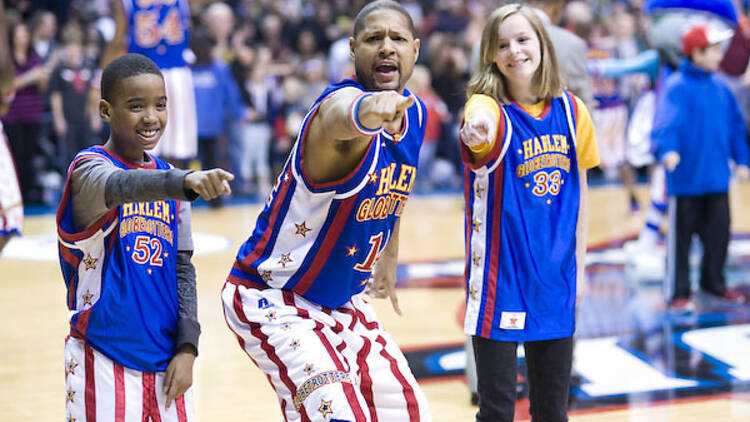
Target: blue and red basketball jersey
(521, 216)
(121, 275)
(322, 240)
(158, 29)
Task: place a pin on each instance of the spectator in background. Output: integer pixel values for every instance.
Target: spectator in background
(570, 49)
(437, 115)
(23, 122)
(69, 89)
(218, 17)
(44, 30)
(288, 121)
(217, 99)
(258, 94)
(610, 113)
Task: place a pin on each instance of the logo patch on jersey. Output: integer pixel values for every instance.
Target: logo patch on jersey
(513, 320)
(317, 381)
(263, 303)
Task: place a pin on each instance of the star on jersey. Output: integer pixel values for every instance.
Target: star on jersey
(479, 190)
(309, 368)
(70, 367)
(285, 259)
(149, 271)
(87, 297)
(295, 344)
(302, 229)
(90, 262)
(271, 315)
(285, 326)
(266, 276)
(351, 250)
(69, 396)
(373, 178)
(475, 259)
(325, 407)
(475, 224)
(364, 282)
(473, 293)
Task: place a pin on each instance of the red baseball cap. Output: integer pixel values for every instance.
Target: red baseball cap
(701, 36)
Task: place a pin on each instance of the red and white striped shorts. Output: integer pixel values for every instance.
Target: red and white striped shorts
(99, 390)
(324, 364)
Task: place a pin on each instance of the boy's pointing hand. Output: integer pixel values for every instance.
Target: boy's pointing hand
(209, 184)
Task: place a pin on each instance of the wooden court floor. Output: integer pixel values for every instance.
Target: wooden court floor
(228, 386)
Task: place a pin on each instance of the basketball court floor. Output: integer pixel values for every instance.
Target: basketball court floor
(634, 361)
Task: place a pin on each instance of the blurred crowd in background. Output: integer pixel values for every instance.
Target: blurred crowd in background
(274, 57)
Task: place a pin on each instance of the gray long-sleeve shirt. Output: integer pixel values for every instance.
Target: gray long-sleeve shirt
(98, 186)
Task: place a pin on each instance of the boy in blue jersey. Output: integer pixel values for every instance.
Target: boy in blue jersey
(125, 248)
(330, 226)
(526, 146)
(699, 128)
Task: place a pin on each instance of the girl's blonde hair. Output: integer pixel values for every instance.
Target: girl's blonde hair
(487, 78)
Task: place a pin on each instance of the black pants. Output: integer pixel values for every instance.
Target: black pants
(24, 145)
(548, 364)
(708, 216)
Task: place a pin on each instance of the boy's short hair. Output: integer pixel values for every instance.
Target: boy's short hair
(701, 36)
(125, 66)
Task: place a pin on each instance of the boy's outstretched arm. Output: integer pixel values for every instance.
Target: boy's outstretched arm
(98, 186)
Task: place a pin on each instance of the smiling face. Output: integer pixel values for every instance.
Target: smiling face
(519, 53)
(384, 51)
(137, 115)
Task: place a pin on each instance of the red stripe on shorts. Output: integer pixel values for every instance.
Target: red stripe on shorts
(90, 384)
(366, 382)
(150, 405)
(411, 398)
(180, 405)
(119, 392)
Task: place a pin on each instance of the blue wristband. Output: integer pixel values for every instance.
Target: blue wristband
(355, 117)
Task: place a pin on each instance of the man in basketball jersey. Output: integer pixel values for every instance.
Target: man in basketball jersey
(11, 203)
(330, 224)
(159, 29)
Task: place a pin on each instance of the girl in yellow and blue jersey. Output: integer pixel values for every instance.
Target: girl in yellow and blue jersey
(526, 146)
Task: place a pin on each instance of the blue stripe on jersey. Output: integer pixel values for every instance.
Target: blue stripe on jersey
(281, 203)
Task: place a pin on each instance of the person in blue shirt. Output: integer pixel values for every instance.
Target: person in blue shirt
(698, 129)
(217, 98)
